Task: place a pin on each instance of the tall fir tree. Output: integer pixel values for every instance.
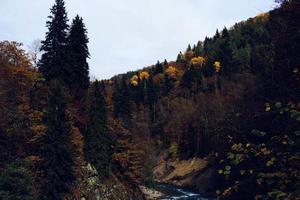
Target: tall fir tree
(57, 150)
(217, 35)
(189, 48)
(168, 85)
(78, 53)
(53, 64)
(187, 78)
(16, 182)
(158, 68)
(225, 54)
(98, 145)
(152, 94)
(165, 63)
(121, 102)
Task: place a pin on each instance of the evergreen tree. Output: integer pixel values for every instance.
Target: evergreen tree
(194, 48)
(187, 78)
(116, 100)
(78, 53)
(189, 48)
(225, 33)
(217, 35)
(199, 49)
(180, 58)
(165, 63)
(121, 102)
(152, 93)
(57, 149)
(16, 182)
(53, 64)
(168, 85)
(98, 146)
(225, 54)
(158, 68)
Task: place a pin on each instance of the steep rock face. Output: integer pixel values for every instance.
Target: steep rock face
(125, 172)
(115, 187)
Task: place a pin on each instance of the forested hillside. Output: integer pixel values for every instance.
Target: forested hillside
(230, 103)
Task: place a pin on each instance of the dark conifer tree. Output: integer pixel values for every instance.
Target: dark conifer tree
(57, 150)
(53, 64)
(158, 68)
(187, 78)
(165, 63)
(168, 85)
(152, 93)
(116, 99)
(180, 58)
(16, 182)
(98, 145)
(217, 35)
(78, 54)
(225, 33)
(225, 54)
(121, 102)
(199, 49)
(189, 48)
(191, 80)
(194, 48)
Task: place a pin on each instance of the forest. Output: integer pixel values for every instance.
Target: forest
(222, 119)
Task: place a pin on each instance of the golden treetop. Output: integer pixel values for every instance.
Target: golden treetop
(198, 60)
(217, 66)
(134, 80)
(171, 71)
(144, 75)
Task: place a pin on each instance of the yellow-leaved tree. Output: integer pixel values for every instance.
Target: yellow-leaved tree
(144, 75)
(198, 60)
(217, 66)
(134, 80)
(171, 72)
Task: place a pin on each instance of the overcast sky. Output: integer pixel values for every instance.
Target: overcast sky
(130, 34)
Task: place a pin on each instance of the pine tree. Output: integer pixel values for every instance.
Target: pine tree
(168, 85)
(180, 58)
(152, 93)
(78, 54)
(225, 54)
(98, 146)
(121, 102)
(225, 33)
(158, 68)
(53, 64)
(187, 78)
(165, 63)
(16, 182)
(189, 48)
(57, 150)
(199, 49)
(217, 35)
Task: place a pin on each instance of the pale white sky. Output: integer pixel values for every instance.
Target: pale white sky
(130, 34)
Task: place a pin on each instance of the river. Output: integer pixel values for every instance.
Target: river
(171, 193)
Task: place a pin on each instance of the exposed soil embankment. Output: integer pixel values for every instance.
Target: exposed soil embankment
(196, 173)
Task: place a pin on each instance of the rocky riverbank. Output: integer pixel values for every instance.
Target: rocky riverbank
(197, 174)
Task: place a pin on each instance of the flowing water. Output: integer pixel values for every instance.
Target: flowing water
(172, 192)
